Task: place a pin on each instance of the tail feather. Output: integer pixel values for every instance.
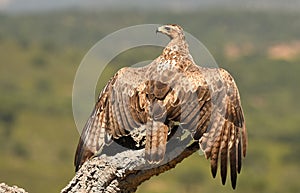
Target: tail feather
(156, 139)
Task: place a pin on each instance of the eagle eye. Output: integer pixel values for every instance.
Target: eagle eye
(167, 28)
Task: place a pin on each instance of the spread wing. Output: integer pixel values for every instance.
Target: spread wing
(131, 105)
(205, 101)
(113, 116)
(222, 134)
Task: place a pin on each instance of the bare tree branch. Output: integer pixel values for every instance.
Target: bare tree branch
(125, 171)
(10, 189)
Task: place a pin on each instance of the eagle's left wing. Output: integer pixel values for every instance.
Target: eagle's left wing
(222, 133)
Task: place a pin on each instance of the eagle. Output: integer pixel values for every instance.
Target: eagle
(142, 107)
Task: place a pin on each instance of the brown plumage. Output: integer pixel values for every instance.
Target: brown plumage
(139, 107)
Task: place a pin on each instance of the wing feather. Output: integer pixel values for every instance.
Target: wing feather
(224, 152)
(118, 112)
(239, 151)
(232, 157)
(110, 116)
(221, 127)
(92, 135)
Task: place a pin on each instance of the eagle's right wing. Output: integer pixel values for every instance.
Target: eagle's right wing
(129, 106)
(93, 133)
(113, 116)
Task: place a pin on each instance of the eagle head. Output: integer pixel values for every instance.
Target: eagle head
(171, 30)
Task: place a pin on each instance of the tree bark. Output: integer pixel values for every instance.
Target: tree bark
(10, 189)
(125, 171)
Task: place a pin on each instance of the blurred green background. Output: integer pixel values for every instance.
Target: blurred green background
(40, 50)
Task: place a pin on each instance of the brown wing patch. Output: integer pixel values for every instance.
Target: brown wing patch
(221, 126)
(112, 115)
(93, 134)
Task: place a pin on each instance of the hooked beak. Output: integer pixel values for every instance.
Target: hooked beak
(159, 29)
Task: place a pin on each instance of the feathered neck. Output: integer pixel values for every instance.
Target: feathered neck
(177, 53)
(177, 44)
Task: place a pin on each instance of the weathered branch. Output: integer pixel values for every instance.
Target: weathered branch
(11, 189)
(125, 171)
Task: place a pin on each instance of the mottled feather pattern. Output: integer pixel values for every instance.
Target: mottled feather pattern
(223, 141)
(138, 108)
(156, 140)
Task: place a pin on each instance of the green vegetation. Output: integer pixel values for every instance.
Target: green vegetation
(39, 55)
